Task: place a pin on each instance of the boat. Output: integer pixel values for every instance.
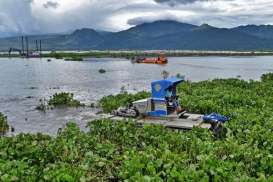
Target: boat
(161, 59)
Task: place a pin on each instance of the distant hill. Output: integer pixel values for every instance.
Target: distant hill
(207, 37)
(7, 34)
(262, 31)
(83, 38)
(157, 35)
(141, 36)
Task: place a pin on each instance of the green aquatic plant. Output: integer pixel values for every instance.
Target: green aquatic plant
(112, 102)
(42, 105)
(132, 54)
(4, 127)
(267, 77)
(123, 151)
(73, 58)
(64, 99)
(165, 74)
(118, 151)
(102, 71)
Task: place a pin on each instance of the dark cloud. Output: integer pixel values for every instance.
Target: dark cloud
(176, 2)
(35, 16)
(51, 4)
(141, 20)
(16, 17)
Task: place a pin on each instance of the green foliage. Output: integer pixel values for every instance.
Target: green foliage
(249, 104)
(118, 151)
(267, 77)
(4, 127)
(57, 56)
(123, 151)
(64, 99)
(100, 54)
(133, 54)
(42, 105)
(73, 58)
(112, 102)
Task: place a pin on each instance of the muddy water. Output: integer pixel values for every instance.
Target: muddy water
(24, 81)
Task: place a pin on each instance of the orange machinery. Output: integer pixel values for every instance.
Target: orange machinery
(161, 59)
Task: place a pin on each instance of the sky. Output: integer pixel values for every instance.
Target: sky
(59, 16)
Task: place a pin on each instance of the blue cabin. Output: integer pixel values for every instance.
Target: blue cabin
(160, 87)
(161, 90)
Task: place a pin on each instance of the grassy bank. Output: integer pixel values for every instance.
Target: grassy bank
(132, 54)
(77, 56)
(118, 151)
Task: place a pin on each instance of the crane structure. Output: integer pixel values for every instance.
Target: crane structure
(24, 51)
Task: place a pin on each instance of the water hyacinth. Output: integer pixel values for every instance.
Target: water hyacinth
(123, 151)
(4, 127)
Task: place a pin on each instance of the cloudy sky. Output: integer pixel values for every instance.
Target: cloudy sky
(50, 16)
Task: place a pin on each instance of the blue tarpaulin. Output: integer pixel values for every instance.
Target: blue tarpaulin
(214, 117)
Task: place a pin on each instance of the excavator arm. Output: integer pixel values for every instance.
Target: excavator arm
(14, 50)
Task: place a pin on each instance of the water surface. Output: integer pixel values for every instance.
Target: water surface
(24, 81)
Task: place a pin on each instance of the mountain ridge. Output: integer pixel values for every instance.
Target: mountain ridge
(163, 34)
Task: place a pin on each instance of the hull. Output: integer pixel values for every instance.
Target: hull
(159, 60)
(154, 62)
(187, 123)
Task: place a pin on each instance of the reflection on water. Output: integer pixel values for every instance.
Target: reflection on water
(24, 82)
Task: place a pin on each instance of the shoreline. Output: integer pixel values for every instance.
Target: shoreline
(132, 54)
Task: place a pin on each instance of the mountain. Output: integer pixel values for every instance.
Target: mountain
(207, 37)
(84, 39)
(158, 28)
(139, 36)
(81, 39)
(262, 31)
(157, 35)
(175, 35)
(7, 34)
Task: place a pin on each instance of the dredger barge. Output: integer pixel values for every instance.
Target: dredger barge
(163, 108)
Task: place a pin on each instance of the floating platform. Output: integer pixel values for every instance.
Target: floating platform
(187, 122)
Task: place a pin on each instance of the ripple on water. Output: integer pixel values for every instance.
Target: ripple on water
(24, 82)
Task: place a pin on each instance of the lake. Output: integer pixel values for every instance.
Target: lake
(23, 82)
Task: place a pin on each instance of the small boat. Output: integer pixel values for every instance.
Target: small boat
(161, 59)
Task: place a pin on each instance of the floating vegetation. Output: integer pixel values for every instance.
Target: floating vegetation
(112, 102)
(4, 127)
(74, 58)
(102, 71)
(122, 151)
(56, 56)
(178, 75)
(93, 105)
(123, 89)
(133, 54)
(62, 99)
(42, 105)
(165, 74)
(29, 97)
(267, 77)
(33, 88)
